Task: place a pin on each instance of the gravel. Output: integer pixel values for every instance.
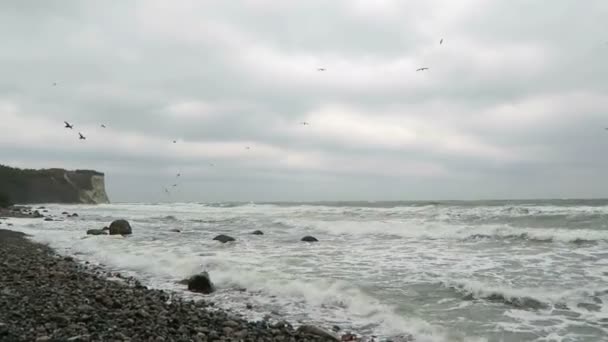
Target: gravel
(46, 297)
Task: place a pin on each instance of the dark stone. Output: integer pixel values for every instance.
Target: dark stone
(223, 238)
(309, 239)
(257, 232)
(65, 213)
(120, 227)
(37, 214)
(74, 215)
(335, 328)
(201, 283)
(48, 219)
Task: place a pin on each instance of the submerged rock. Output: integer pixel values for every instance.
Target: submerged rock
(120, 227)
(257, 232)
(316, 331)
(309, 238)
(224, 238)
(201, 283)
(96, 232)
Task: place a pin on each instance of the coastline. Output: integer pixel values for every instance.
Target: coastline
(48, 297)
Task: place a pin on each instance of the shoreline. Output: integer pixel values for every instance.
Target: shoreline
(48, 297)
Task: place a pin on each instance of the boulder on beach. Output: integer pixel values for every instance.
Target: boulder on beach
(257, 232)
(97, 232)
(224, 238)
(37, 214)
(316, 331)
(309, 238)
(200, 283)
(120, 227)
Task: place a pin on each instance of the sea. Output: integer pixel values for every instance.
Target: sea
(506, 271)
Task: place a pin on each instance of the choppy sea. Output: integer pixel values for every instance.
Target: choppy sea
(440, 271)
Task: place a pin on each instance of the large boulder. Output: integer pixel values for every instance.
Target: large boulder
(309, 239)
(120, 227)
(200, 283)
(37, 214)
(224, 238)
(257, 232)
(97, 232)
(316, 331)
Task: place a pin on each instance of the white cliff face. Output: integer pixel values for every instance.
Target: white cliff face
(97, 194)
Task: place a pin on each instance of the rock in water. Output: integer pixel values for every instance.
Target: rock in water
(201, 283)
(258, 232)
(223, 238)
(312, 330)
(309, 239)
(121, 227)
(96, 232)
(37, 214)
(175, 230)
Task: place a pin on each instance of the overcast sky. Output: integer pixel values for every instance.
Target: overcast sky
(514, 103)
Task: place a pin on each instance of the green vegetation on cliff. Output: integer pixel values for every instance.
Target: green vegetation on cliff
(51, 185)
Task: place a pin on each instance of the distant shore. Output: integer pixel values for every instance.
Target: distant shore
(47, 297)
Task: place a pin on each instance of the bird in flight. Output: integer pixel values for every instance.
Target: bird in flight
(441, 41)
(54, 84)
(211, 164)
(304, 123)
(67, 125)
(174, 141)
(103, 126)
(247, 147)
(320, 69)
(422, 69)
(82, 137)
(174, 185)
(178, 174)
(167, 191)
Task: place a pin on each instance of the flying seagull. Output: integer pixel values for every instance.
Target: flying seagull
(174, 141)
(103, 126)
(304, 123)
(211, 164)
(174, 185)
(178, 174)
(422, 69)
(441, 41)
(321, 69)
(67, 125)
(82, 137)
(54, 84)
(247, 147)
(167, 191)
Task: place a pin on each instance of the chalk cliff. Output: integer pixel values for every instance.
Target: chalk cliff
(52, 186)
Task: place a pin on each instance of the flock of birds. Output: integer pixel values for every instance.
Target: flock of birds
(174, 185)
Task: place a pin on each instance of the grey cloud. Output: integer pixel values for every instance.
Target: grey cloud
(126, 64)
